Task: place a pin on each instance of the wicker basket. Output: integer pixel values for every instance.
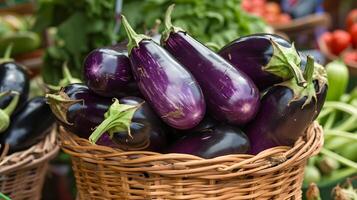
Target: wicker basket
(107, 173)
(22, 174)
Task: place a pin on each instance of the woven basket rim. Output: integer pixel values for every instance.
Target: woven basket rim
(42, 151)
(266, 161)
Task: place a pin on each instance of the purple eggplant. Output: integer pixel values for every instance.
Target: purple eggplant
(13, 77)
(266, 58)
(166, 85)
(29, 126)
(78, 109)
(217, 141)
(107, 72)
(231, 95)
(206, 124)
(287, 109)
(147, 131)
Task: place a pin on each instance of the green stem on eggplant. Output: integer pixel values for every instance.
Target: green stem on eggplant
(6, 112)
(168, 24)
(59, 104)
(116, 119)
(133, 37)
(285, 63)
(300, 92)
(339, 158)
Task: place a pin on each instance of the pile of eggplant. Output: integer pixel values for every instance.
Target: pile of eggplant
(256, 93)
(23, 122)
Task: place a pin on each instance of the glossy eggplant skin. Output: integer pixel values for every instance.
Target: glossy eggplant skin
(206, 124)
(218, 141)
(167, 86)
(279, 123)
(86, 115)
(29, 126)
(13, 77)
(146, 128)
(251, 53)
(107, 72)
(231, 96)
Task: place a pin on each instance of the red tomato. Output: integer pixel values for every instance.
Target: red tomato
(247, 5)
(271, 19)
(340, 41)
(350, 57)
(272, 8)
(258, 3)
(284, 18)
(353, 33)
(351, 18)
(258, 11)
(327, 39)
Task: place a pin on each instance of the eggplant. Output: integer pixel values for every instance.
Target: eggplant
(147, 131)
(231, 96)
(286, 111)
(78, 109)
(267, 59)
(13, 77)
(29, 126)
(218, 141)
(107, 72)
(206, 124)
(166, 85)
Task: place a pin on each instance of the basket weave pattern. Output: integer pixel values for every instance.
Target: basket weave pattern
(107, 173)
(22, 174)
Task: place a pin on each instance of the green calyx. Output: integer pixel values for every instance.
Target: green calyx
(116, 119)
(285, 63)
(320, 75)
(6, 112)
(59, 104)
(308, 90)
(7, 55)
(67, 79)
(169, 28)
(133, 37)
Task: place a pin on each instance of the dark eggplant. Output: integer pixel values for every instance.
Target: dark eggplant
(206, 124)
(287, 109)
(218, 141)
(166, 85)
(147, 132)
(231, 95)
(107, 72)
(267, 59)
(29, 126)
(13, 77)
(78, 109)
